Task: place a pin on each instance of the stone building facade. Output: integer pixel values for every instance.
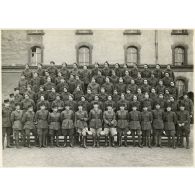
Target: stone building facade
(121, 46)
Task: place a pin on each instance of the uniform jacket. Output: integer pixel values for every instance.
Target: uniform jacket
(60, 87)
(95, 87)
(95, 119)
(16, 119)
(41, 117)
(72, 104)
(134, 118)
(100, 79)
(184, 117)
(158, 73)
(48, 86)
(108, 87)
(158, 116)
(22, 85)
(28, 74)
(122, 119)
(135, 103)
(109, 119)
(44, 102)
(6, 116)
(132, 88)
(65, 73)
(145, 88)
(160, 89)
(139, 81)
(28, 120)
(54, 120)
(103, 97)
(18, 98)
(85, 76)
(170, 119)
(81, 118)
(146, 73)
(52, 71)
(106, 72)
(153, 81)
(65, 96)
(146, 120)
(120, 87)
(27, 102)
(188, 104)
(59, 104)
(35, 82)
(127, 79)
(67, 118)
(114, 80)
(134, 72)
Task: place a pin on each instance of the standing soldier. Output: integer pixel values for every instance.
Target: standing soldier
(160, 88)
(123, 101)
(121, 86)
(134, 103)
(35, 82)
(95, 70)
(183, 121)
(170, 120)
(60, 86)
(81, 118)
(134, 71)
(110, 123)
(116, 97)
(122, 124)
(12, 102)
(27, 73)
(158, 72)
(89, 96)
(84, 103)
(58, 103)
(41, 118)
(108, 86)
(85, 77)
(65, 94)
(93, 86)
(103, 95)
(72, 104)
(167, 80)
(67, 119)
(57, 79)
(139, 80)
(41, 73)
(16, 120)
(95, 124)
(100, 79)
(52, 70)
(145, 87)
(110, 102)
(22, 84)
(140, 95)
(17, 96)
(127, 78)
(132, 87)
(146, 73)
(117, 70)
(173, 90)
(54, 125)
(146, 120)
(171, 72)
(30, 93)
(106, 70)
(26, 102)
(48, 86)
(153, 81)
(78, 92)
(6, 122)
(158, 124)
(75, 70)
(79, 83)
(52, 95)
(147, 102)
(65, 72)
(42, 101)
(135, 127)
(28, 120)
(113, 78)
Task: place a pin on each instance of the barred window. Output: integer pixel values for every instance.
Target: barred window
(181, 87)
(179, 56)
(36, 55)
(84, 56)
(132, 55)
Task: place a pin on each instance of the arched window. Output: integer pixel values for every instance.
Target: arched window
(179, 56)
(180, 84)
(36, 55)
(84, 55)
(132, 55)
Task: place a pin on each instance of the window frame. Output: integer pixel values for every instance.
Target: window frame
(30, 53)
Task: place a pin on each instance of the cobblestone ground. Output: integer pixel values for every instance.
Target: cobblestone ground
(93, 157)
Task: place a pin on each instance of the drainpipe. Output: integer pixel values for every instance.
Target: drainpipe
(156, 46)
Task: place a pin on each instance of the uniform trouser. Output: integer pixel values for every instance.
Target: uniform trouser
(68, 132)
(52, 134)
(42, 133)
(121, 132)
(157, 136)
(6, 131)
(181, 132)
(171, 135)
(138, 132)
(27, 136)
(146, 136)
(18, 132)
(110, 132)
(96, 135)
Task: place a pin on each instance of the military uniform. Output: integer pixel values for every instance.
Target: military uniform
(167, 81)
(188, 105)
(54, 126)
(146, 127)
(28, 120)
(35, 83)
(28, 74)
(129, 96)
(77, 94)
(122, 125)
(89, 97)
(110, 123)
(173, 91)
(59, 104)
(123, 102)
(153, 81)
(72, 104)
(106, 72)
(26, 103)
(170, 119)
(183, 121)
(43, 102)
(94, 87)
(67, 118)
(160, 89)
(75, 72)
(85, 77)
(65, 96)
(134, 72)
(53, 71)
(103, 97)
(51, 96)
(158, 73)
(16, 120)
(85, 105)
(127, 79)
(146, 73)
(147, 102)
(100, 79)
(121, 87)
(109, 88)
(139, 81)
(65, 73)
(60, 87)
(140, 97)
(48, 86)
(6, 124)
(114, 80)
(134, 125)
(41, 73)
(171, 73)
(110, 103)
(18, 98)
(132, 88)
(135, 103)
(145, 88)
(22, 86)
(116, 98)
(41, 117)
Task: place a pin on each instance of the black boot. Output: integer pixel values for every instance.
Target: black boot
(44, 141)
(133, 137)
(112, 139)
(106, 141)
(94, 141)
(139, 141)
(98, 141)
(187, 142)
(84, 142)
(81, 141)
(57, 141)
(119, 140)
(40, 141)
(173, 142)
(65, 141)
(8, 142)
(28, 141)
(125, 139)
(52, 138)
(149, 142)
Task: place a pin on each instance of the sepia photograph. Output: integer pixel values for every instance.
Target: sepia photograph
(97, 97)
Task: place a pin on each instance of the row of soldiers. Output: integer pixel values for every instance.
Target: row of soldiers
(53, 88)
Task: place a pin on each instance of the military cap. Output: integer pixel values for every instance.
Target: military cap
(17, 104)
(185, 93)
(30, 106)
(6, 101)
(16, 88)
(11, 95)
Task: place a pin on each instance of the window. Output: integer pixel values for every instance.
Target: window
(179, 32)
(132, 32)
(179, 56)
(84, 56)
(131, 55)
(36, 55)
(181, 87)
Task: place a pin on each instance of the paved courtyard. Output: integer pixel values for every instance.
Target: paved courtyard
(93, 157)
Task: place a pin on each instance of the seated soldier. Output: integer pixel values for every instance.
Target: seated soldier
(22, 84)
(89, 96)
(71, 103)
(108, 86)
(147, 102)
(153, 96)
(30, 93)
(146, 73)
(145, 87)
(173, 90)
(44, 102)
(167, 80)
(48, 86)
(84, 103)
(93, 86)
(71, 84)
(100, 79)
(113, 78)
(106, 70)
(95, 70)
(35, 82)
(132, 87)
(97, 101)
(115, 97)
(75, 70)
(103, 95)
(171, 72)
(78, 92)
(160, 88)
(110, 102)
(58, 103)
(65, 94)
(121, 86)
(136, 103)
(26, 102)
(127, 78)
(60, 86)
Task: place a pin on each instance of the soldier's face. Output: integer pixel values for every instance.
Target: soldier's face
(134, 108)
(95, 106)
(42, 107)
(169, 109)
(53, 90)
(146, 96)
(17, 107)
(122, 107)
(109, 108)
(17, 91)
(134, 98)
(182, 107)
(65, 90)
(132, 81)
(58, 98)
(30, 109)
(109, 98)
(67, 108)
(157, 106)
(145, 82)
(6, 105)
(80, 107)
(145, 108)
(185, 96)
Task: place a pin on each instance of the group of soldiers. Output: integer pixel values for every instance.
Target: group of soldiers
(101, 102)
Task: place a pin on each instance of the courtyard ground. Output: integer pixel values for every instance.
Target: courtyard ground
(98, 157)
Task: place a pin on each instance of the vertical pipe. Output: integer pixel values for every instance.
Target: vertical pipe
(156, 46)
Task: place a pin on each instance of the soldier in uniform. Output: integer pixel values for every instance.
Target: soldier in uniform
(100, 79)
(173, 90)
(135, 103)
(35, 82)
(52, 95)
(17, 97)
(28, 120)
(153, 96)
(89, 96)
(60, 86)
(167, 80)
(26, 102)
(128, 95)
(54, 125)
(110, 123)
(6, 123)
(110, 102)
(97, 101)
(81, 118)
(78, 92)
(132, 87)
(16, 120)
(183, 122)
(67, 119)
(84, 103)
(116, 97)
(106, 70)
(171, 73)
(134, 125)
(167, 94)
(108, 86)
(122, 124)
(22, 84)
(58, 103)
(52, 70)
(65, 94)
(85, 77)
(146, 121)
(72, 104)
(160, 88)
(48, 86)
(27, 73)
(103, 95)
(65, 72)
(121, 86)
(173, 103)
(170, 120)
(41, 73)
(58, 78)
(95, 123)
(147, 102)
(146, 73)
(145, 87)
(30, 93)
(93, 86)
(75, 70)
(153, 81)
(123, 101)
(79, 83)
(158, 72)
(42, 101)
(117, 70)
(12, 102)
(113, 78)
(95, 70)
(134, 71)
(158, 124)
(140, 95)
(161, 101)
(139, 80)
(41, 118)
(127, 78)
(40, 93)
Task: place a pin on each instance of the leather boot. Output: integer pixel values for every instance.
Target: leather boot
(8, 142)
(28, 141)
(139, 141)
(81, 141)
(169, 141)
(71, 141)
(52, 138)
(125, 139)
(159, 141)
(187, 142)
(65, 141)
(17, 140)
(44, 141)
(155, 140)
(182, 144)
(112, 140)
(119, 140)
(3, 138)
(84, 142)
(133, 137)
(149, 142)
(57, 141)
(94, 141)
(98, 141)
(106, 141)
(173, 142)
(40, 141)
